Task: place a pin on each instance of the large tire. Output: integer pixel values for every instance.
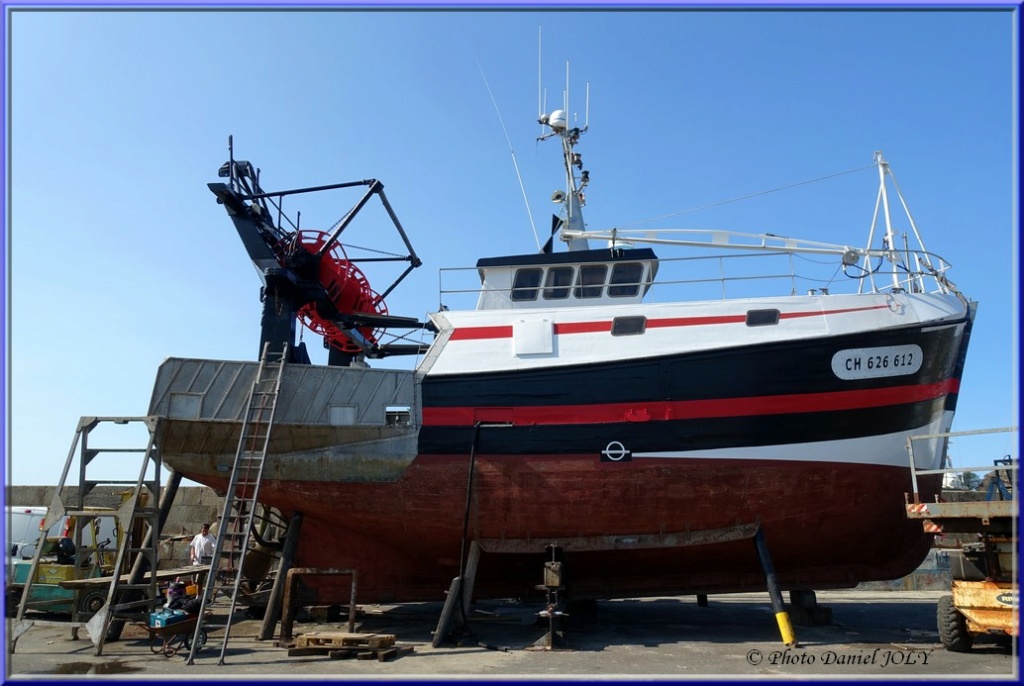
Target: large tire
(114, 631)
(91, 602)
(13, 601)
(953, 632)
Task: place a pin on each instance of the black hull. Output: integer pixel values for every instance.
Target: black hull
(756, 395)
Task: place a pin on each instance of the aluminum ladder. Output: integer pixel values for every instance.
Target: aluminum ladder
(137, 521)
(225, 572)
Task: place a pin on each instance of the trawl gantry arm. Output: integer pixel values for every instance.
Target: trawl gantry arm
(308, 276)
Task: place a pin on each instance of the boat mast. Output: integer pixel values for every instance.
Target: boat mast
(889, 240)
(572, 199)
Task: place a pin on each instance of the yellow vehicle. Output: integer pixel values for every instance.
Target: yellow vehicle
(984, 598)
(99, 539)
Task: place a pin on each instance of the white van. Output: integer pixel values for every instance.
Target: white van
(23, 528)
(24, 525)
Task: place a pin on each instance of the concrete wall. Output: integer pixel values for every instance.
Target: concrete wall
(192, 506)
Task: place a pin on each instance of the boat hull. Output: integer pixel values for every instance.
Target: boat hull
(650, 474)
(650, 526)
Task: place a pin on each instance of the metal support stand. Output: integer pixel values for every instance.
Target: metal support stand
(170, 490)
(460, 591)
(444, 623)
(785, 627)
(292, 599)
(554, 610)
(291, 545)
(469, 577)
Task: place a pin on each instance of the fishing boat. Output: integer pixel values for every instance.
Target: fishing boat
(575, 408)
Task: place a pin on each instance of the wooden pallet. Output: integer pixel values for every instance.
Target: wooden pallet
(339, 639)
(346, 646)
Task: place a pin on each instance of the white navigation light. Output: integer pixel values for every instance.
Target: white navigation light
(557, 120)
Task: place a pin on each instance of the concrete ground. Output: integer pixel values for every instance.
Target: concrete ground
(873, 635)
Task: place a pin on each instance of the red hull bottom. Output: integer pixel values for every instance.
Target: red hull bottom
(827, 525)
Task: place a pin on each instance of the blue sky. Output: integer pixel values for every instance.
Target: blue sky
(119, 257)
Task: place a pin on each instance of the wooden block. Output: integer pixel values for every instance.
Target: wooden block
(386, 654)
(343, 654)
(301, 652)
(365, 655)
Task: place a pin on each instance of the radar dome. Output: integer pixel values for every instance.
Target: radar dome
(557, 120)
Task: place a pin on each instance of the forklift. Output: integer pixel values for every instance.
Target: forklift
(983, 600)
(57, 564)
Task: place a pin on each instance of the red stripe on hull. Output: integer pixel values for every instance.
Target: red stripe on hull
(697, 409)
(481, 332)
(826, 524)
(473, 333)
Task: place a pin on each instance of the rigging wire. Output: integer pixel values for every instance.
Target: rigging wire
(747, 197)
(515, 164)
(373, 250)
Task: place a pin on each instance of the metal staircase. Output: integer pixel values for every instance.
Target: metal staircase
(225, 573)
(137, 520)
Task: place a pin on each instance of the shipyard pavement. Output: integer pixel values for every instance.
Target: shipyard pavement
(873, 635)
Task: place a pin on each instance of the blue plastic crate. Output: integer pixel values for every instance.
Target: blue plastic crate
(164, 618)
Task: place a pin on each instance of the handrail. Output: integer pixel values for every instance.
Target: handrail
(798, 271)
(914, 471)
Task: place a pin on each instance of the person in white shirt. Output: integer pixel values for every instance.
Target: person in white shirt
(202, 546)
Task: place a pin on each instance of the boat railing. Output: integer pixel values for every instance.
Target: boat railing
(768, 273)
(928, 444)
(212, 391)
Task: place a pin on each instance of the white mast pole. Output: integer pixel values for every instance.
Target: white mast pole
(540, 103)
(890, 242)
(586, 116)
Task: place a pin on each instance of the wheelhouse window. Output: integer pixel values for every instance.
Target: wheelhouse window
(590, 281)
(625, 281)
(557, 283)
(525, 284)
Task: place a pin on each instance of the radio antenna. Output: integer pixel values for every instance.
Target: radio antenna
(542, 94)
(568, 112)
(540, 102)
(515, 164)
(586, 116)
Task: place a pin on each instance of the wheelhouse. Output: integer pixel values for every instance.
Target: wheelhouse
(571, 279)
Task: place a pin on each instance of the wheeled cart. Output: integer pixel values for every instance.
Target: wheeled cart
(167, 640)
